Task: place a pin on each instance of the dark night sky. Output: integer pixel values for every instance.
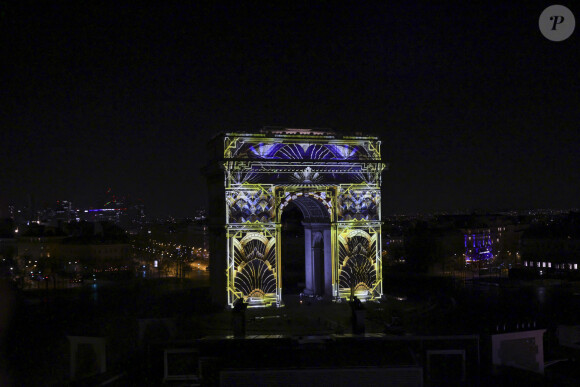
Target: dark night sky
(475, 107)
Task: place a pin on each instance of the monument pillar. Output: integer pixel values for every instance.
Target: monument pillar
(318, 259)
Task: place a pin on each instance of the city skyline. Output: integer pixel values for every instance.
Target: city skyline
(21, 210)
(476, 109)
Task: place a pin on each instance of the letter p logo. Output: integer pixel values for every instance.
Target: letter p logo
(557, 23)
(557, 20)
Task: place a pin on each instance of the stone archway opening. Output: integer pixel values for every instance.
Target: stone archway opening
(292, 245)
(317, 249)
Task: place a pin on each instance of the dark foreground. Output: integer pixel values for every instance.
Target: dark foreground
(37, 349)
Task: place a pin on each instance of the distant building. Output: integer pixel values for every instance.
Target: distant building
(479, 244)
(95, 247)
(125, 212)
(35, 248)
(38, 254)
(59, 213)
(551, 253)
(553, 247)
(112, 215)
(444, 241)
(200, 214)
(489, 238)
(94, 256)
(36, 242)
(63, 211)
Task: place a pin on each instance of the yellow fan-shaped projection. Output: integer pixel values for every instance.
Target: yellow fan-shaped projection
(255, 265)
(357, 261)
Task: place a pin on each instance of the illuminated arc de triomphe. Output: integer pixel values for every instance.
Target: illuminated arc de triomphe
(335, 181)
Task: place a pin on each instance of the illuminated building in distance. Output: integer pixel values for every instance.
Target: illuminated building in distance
(478, 245)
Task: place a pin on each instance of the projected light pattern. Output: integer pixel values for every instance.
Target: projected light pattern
(334, 181)
(357, 262)
(358, 205)
(302, 151)
(306, 176)
(320, 196)
(255, 263)
(299, 173)
(478, 246)
(249, 206)
(281, 147)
